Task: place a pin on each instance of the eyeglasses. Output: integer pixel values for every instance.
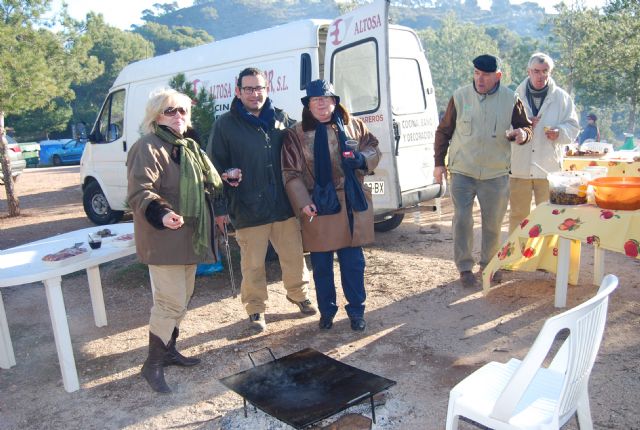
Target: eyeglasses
(251, 90)
(172, 111)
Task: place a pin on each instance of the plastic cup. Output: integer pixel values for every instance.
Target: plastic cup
(95, 242)
(352, 145)
(233, 175)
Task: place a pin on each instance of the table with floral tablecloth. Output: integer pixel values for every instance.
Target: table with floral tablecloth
(550, 239)
(615, 167)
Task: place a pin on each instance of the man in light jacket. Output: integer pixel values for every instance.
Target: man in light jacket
(555, 124)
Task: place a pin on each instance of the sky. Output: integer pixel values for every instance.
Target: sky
(124, 13)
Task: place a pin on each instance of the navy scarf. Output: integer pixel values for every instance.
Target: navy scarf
(266, 120)
(324, 192)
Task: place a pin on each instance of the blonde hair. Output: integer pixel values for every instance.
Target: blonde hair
(161, 99)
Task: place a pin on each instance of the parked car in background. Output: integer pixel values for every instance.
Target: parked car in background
(31, 153)
(16, 159)
(59, 152)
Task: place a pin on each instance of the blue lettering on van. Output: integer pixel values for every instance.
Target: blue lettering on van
(220, 108)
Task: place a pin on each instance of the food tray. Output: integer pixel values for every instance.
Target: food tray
(596, 148)
(68, 260)
(123, 241)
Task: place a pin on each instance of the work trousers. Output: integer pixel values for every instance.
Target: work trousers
(520, 198)
(286, 239)
(493, 196)
(351, 261)
(172, 288)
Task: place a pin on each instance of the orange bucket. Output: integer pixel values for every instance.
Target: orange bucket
(613, 192)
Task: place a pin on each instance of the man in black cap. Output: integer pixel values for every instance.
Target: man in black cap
(591, 131)
(480, 124)
(248, 140)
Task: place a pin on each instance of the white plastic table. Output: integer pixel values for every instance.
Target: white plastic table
(23, 265)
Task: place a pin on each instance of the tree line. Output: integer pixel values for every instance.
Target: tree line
(57, 71)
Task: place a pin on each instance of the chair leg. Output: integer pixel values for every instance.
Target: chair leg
(452, 418)
(583, 413)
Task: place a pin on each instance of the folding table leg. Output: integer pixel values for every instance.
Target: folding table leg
(598, 265)
(7, 358)
(58, 315)
(562, 272)
(97, 299)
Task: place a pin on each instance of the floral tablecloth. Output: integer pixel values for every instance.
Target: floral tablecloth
(534, 244)
(615, 167)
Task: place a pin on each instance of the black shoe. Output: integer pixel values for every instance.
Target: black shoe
(174, 357)
(467, 279)
(305, 306)
(325, 323)
(358, 324)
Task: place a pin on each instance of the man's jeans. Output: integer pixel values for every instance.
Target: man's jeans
(493, 195)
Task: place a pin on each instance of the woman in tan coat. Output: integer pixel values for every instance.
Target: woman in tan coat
(324, 183)
(169, 182)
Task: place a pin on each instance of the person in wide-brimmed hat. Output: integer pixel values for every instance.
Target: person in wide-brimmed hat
(481, 123)
(324, 179)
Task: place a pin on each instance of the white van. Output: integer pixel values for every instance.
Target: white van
(379, 70)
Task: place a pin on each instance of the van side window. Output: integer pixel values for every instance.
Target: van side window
(406, 80)
(110, 123)
(356, 77)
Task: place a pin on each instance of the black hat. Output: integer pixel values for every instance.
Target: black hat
(319, 88)
(487, 63)
(592, 116)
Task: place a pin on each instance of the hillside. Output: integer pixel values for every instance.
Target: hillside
(227, 18)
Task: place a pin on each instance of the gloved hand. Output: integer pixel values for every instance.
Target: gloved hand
(357, 162)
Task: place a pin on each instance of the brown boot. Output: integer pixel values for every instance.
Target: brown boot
(174, 357)
(152, 369)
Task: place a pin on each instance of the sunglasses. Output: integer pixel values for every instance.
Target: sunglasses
(172, 111)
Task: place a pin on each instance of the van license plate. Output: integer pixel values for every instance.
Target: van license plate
(377, 187)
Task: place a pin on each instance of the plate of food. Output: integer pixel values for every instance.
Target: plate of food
(106, 234)
(124, 240)
(66, 256)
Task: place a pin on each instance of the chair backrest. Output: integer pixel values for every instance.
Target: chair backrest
(575, 358)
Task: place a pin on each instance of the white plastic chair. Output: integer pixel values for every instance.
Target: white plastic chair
(525, 395)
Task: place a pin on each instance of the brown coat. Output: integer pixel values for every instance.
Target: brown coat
(327, 232)
(152, 175)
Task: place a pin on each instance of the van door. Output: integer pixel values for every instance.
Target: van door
(356, 62)
(383, 77)
(103, 164)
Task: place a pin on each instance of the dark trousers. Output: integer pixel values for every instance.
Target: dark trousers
(351, 262)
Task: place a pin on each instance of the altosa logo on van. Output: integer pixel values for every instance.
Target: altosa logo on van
(339, 28)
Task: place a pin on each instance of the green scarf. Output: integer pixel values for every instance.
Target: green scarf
(196, 171)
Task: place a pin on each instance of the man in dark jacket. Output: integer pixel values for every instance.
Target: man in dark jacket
(248, 138)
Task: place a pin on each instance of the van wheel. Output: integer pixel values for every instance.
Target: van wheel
(389, 223)
(56, 160)
(96, 206)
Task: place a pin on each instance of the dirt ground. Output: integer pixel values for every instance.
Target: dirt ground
(424, 331)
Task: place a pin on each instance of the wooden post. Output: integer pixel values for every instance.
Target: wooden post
(13, 203)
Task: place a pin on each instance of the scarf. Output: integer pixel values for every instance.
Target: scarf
(196, 172)
(324, 192)
(535, 98)
(265, 120)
